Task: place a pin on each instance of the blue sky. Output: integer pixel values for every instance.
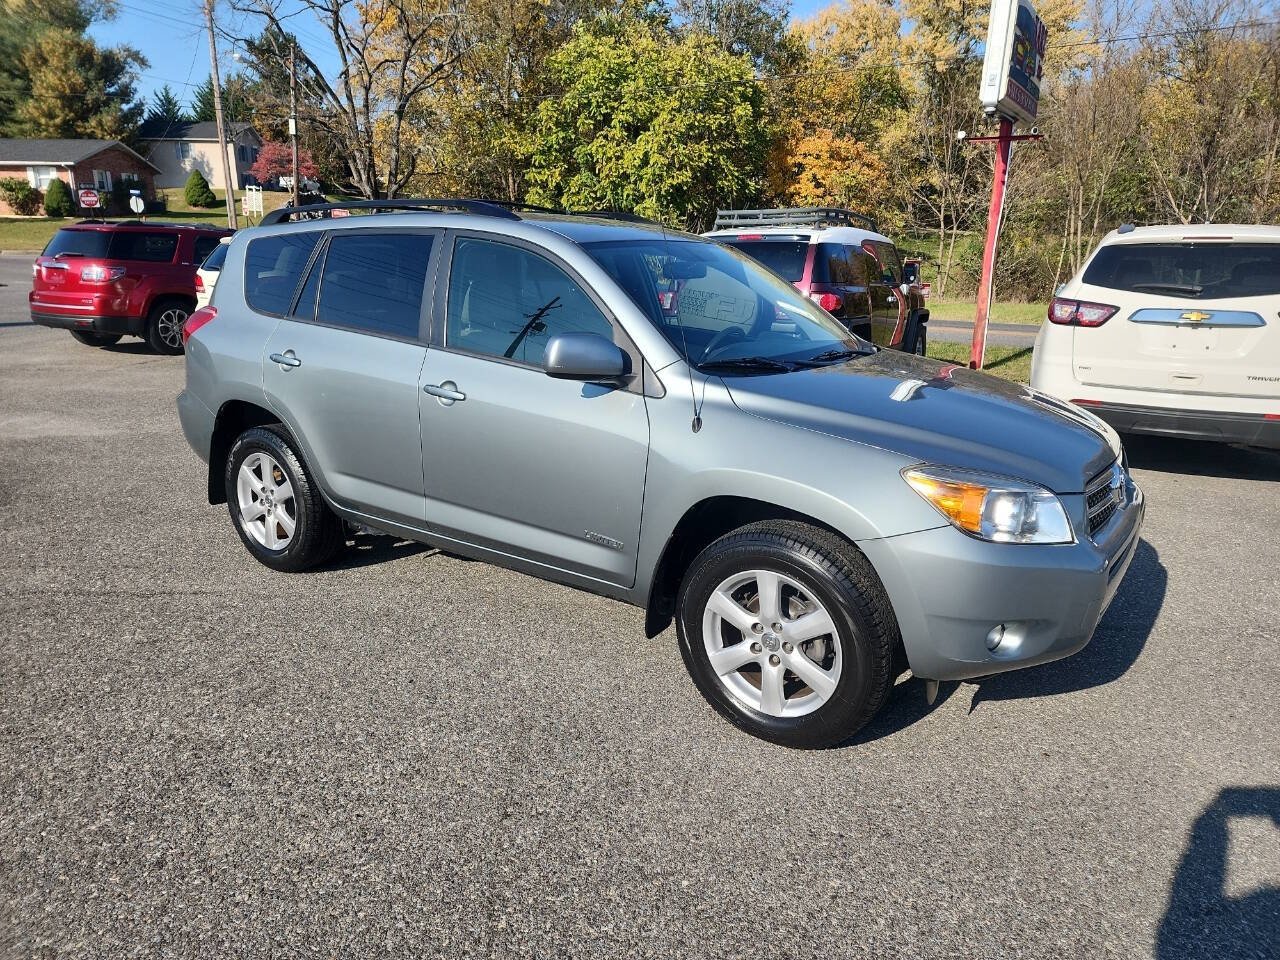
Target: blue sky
(171, 35)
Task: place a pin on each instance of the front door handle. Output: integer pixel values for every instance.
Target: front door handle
(286, 359)
(446, 392)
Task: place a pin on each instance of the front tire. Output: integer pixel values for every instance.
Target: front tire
(275, 504)
(164, 325)
(788, 633)
(95, 339)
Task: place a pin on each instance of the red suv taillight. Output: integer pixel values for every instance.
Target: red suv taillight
(829, 302)
(1080, 313)
(96, 273)
(199, 284)
(196, 321)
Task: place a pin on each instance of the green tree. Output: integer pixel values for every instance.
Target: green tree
(197, 191)
(667, 128)
(79, 89)
(165, 107)
(57, 199)
(236, 105)
(21, 24)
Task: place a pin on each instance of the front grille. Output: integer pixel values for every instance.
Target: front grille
(1104, 495)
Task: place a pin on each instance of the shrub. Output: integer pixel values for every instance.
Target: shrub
(197, 191)
(58, 201)
(22, 198)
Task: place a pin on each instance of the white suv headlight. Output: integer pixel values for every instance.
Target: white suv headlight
(991, 507)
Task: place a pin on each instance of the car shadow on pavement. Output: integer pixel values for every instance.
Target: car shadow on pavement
(1202, 458)
(132, 347)
(1202, 920)
(366, 549)
(1115, 647)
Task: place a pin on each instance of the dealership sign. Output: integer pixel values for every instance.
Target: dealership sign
(1014, 61)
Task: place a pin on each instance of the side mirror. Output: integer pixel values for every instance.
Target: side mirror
(584, 356)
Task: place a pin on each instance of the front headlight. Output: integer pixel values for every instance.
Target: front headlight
(993, 508)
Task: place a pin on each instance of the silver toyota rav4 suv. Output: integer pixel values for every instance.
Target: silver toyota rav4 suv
(815, 513)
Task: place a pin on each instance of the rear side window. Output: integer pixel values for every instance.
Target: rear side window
(83, 243)
(888, 265)
(784, 257)
(840, 263)
(213, 262)
(373, 282)
(1208, 271)
(272, 268)
(145, 247)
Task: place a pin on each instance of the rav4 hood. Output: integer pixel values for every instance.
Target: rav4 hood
(938, 413)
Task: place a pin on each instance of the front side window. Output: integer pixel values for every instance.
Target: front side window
(272, 268)
(373, 282)
(728, 311)
(148, 247)
(507, 302)
(1204, 270)
(888, 265)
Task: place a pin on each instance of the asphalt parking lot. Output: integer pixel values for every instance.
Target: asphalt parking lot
(409, 754)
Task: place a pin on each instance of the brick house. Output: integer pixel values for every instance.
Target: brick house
(103, 164)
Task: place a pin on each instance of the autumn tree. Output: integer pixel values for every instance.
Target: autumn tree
(389, 54)
(275, 160)
(79, 89)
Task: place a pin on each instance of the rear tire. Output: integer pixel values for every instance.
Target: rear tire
(164, 325)
(275, 504)
(792, 685)
(95, 339)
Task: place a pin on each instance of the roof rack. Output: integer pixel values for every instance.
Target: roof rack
(483, 207)
(794, 217)
(506, 209)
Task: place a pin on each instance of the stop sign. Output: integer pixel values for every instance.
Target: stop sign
(88, 198)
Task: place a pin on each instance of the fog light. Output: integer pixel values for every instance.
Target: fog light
(995, 636)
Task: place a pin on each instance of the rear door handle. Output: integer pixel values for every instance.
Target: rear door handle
(447, 391)
(286, 359)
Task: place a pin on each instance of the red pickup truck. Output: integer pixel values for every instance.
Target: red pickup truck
(102, 281)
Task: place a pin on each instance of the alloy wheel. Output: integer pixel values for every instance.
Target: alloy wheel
(169, 325)
(771, 643)
(268, 510)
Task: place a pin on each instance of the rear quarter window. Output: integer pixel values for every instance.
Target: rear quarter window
(84, 243)
(1208, 271)
(272, 268)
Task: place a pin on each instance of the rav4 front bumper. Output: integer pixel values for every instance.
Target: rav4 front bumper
(968, 608)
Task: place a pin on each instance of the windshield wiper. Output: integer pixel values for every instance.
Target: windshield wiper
(833, 356)
(761, 364)
(1188, 288)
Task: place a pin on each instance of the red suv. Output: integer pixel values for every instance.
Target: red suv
(104, 280)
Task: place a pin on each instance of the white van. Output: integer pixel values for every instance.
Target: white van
(1172, 330)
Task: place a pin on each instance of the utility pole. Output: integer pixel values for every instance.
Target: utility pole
(293, 114)
(217, 112)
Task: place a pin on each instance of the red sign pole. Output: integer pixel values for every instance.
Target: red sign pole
(996, 211)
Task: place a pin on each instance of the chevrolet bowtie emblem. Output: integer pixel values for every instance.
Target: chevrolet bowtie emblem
(1196, 316)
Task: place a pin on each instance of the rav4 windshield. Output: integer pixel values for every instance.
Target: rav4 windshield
(1205, 271)
(726, 308)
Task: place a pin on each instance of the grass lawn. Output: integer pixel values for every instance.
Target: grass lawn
(20, 233)
(1012, 363)
(963, 311)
